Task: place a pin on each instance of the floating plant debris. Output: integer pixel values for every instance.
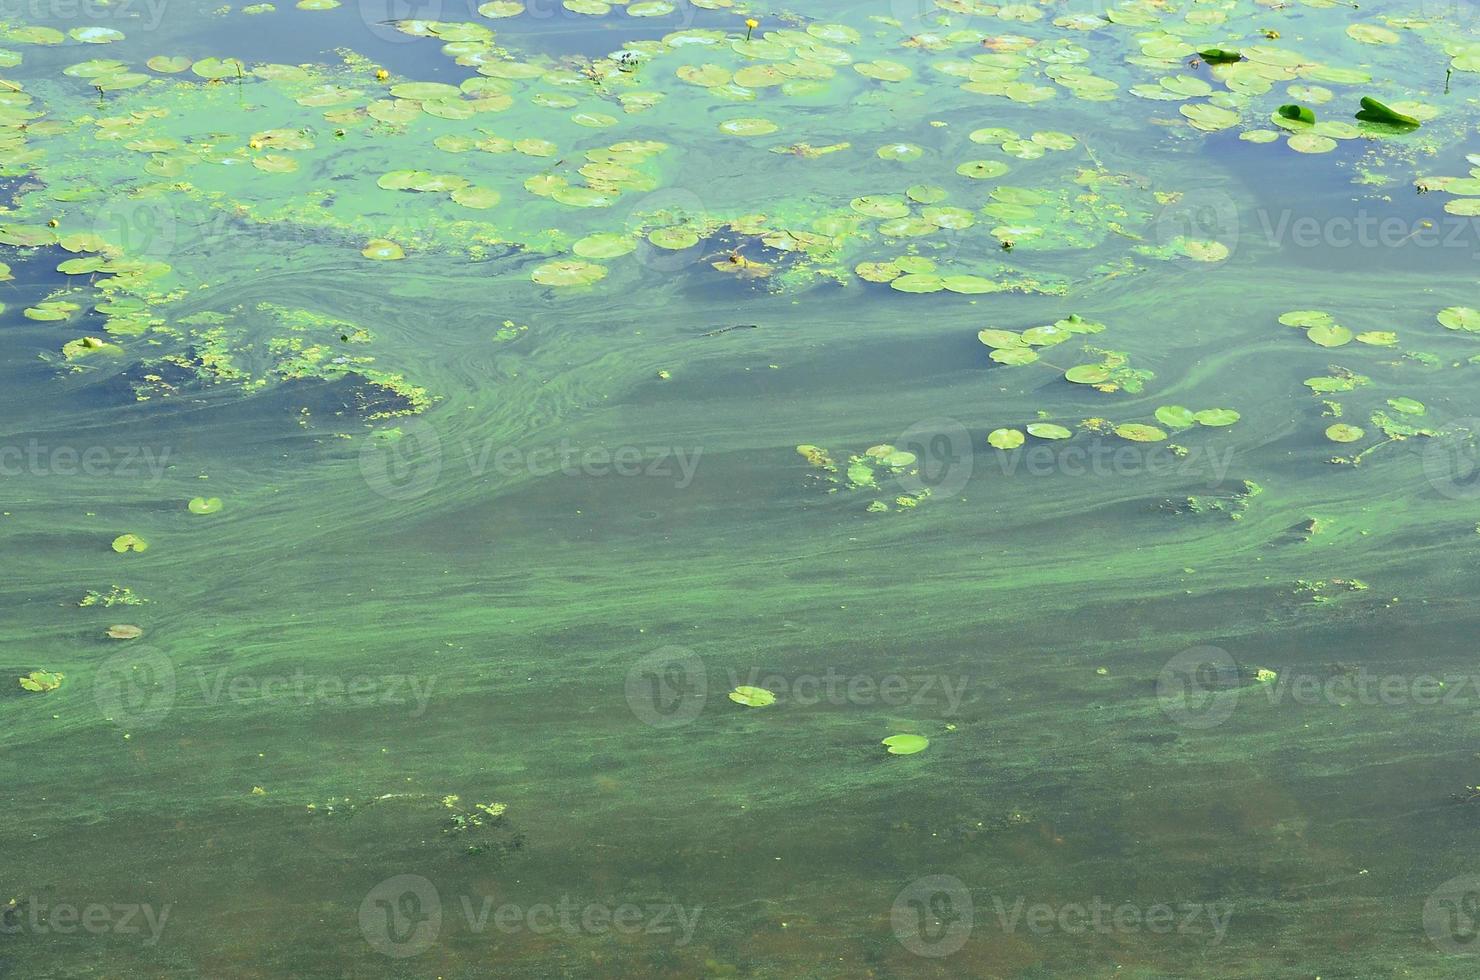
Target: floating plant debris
(42, 681)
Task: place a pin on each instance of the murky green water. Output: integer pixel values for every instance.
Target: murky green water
(493, 392)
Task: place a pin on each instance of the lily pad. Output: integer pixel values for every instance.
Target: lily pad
(568, 273)
(752, 697)
(1217, 417)
(1087, 374)
(204, 505)
(1137, 432)
(905, 744)
(1005, 438)
(42, 681)
(129, 542)
(1342, 432)
(1175, 417)
(1456, 318)
(1048, 430)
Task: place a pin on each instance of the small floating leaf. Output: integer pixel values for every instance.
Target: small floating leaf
(129, 542)
(42, 681)
(1342, 432)
(1087, 374)
(1048, 430)
(1217, 417)
(1005, 438)
(1175, 416)
(1460, 318)
(905, 744)
(752, 697)
(124, 631)
(204, 505)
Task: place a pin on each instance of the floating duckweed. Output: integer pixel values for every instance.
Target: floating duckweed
(1137, 432)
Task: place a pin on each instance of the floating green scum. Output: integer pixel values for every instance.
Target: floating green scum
(815, 463)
